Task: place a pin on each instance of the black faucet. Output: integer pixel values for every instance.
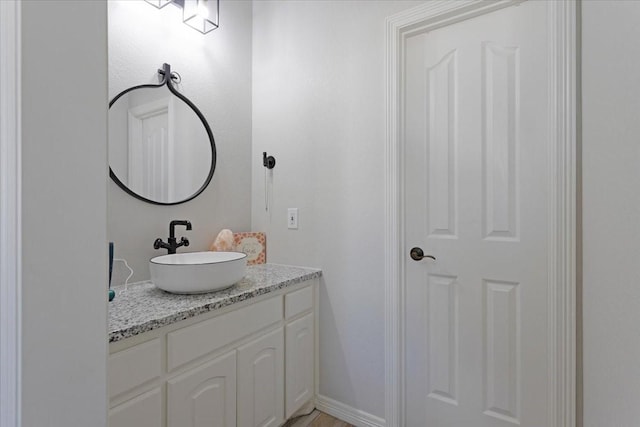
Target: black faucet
(173, 244)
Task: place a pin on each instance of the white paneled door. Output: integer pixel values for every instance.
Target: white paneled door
(476, 128)
(151, 149)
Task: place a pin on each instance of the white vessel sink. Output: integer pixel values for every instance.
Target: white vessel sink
(197, 272)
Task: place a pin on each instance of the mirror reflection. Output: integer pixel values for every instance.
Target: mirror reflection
(159, 148)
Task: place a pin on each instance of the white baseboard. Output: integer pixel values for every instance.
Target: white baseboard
(346, 413)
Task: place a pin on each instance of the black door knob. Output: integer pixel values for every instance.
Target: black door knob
(417, 254)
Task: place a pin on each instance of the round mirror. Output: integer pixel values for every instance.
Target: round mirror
(161, 149)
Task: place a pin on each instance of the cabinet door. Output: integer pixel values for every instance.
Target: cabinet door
(141, 411)
(261, 381)
(299, 363)
(204, 396)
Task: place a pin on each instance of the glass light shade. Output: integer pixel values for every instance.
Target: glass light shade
(201, 14)
(159, 3)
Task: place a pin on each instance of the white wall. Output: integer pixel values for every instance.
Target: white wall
(611, 211)
(216, 76)
(319, 108)
(64, 193)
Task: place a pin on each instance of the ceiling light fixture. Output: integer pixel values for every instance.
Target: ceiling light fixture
(203, 15)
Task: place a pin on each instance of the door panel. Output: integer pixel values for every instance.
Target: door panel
(261, 381)
(204, 396)
(299, 369)
(475, 133)
(141, 411)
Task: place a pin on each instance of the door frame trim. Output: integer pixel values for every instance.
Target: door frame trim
(10, 214)
(561, 192)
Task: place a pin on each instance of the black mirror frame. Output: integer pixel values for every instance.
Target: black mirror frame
(165, 72)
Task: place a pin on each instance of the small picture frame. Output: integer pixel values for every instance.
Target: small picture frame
(254, 244)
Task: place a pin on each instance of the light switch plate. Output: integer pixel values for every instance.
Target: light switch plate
(292, 218)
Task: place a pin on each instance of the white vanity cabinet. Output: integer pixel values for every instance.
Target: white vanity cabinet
(247, 365)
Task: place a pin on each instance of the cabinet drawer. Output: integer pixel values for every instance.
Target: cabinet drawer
(185, 345)
(298, 302)
(134, 366)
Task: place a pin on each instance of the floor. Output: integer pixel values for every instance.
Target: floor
(316, 419)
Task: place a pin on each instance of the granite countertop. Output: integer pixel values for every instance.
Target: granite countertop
(142, 307)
